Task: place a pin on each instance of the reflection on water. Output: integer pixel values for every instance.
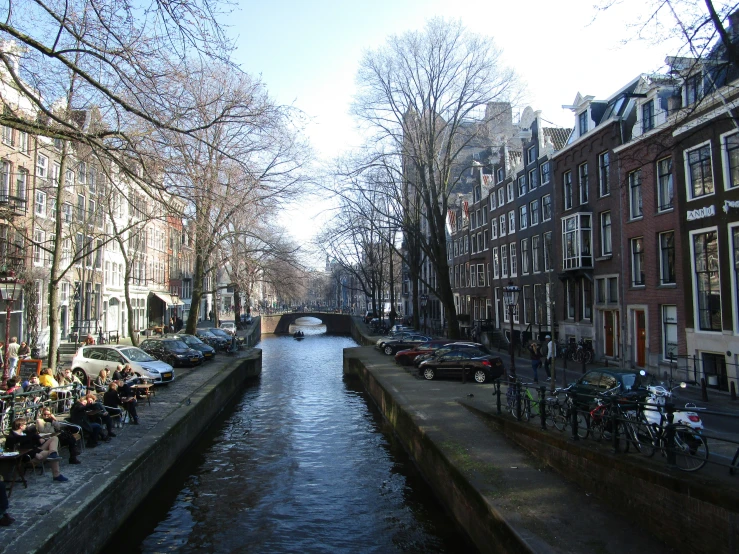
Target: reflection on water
(302, 463)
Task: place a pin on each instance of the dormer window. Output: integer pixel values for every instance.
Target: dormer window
(531, 155)
(693, 88)
(647, 116)
(500, 174)
(582, 123)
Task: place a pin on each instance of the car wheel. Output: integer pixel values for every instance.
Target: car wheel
(480, 376)
(389, 350)
(80, 374)
(428, 373)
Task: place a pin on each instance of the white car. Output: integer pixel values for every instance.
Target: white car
(229, 327)
(89, 360)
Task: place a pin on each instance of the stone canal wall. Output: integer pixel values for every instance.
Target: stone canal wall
(95, 509)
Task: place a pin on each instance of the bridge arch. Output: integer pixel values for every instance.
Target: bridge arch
(336, 324)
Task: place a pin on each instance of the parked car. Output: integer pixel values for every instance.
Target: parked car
(598, 381)
(195, 343)
(406, 357)
(453, 363)
(206, 336)
(481, 350)
(219, 333)
(397, 336)
(229, 327)
(89, 360)
(173, 351)
(391, 346)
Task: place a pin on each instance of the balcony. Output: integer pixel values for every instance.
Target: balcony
(577, 237)
(16, 205)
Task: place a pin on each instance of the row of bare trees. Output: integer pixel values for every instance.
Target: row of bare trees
(147, 94)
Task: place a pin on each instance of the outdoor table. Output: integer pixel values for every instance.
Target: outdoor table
(145, 389)
(17, 474)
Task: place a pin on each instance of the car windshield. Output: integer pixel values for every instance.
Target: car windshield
(175, 345)
(136, 355)
(219, 333)
(206, 334)
(631, 381)
(190, 340)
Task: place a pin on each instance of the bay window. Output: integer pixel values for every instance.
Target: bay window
(576, 241)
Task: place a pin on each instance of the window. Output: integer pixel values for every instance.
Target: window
(42, 164)
(699, 175)
(503, 227)
(582, 123)
(606, 245)
(548, 251)
(546, 207)
(484, 239)
(480, 275)
(496, 263)
(474, 243)
(504, 260)
(693, 89)
(570, 297)
(531, 155)
(582, 171)
(545, 173)
(501, 197)
(5, 176)
(80, 208)
(735, 246)
(664, 184)
(533, 179)
(647, 116)
(600, 291)
(667, 257)
(535, 247)
(500, 174)
(567, 190)
(528, 305)
(494, 228)
(604, 185)
(466, 244)
(40, 207)
(522, 185)
(637, 262)
(669, 332)
(635, 195)
(613, 290)
(38, 252)
(511, 221)
(587, 299)
(731, 145)
(708, 287)
(492, 201)
(7, 135)
(525, 262)
(21, 185)
(576, 240)
(523, 217)
(514, 264)
(484, 215)
(509, 188)
(472, 275)
(23, 145)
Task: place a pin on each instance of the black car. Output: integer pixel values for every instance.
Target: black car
(195, 343)
(209, 338)
(476, 347)
(392, 346)
(481, 368)
(173, 351)
(599, 381)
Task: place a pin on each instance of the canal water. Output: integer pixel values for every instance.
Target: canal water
(302, 462)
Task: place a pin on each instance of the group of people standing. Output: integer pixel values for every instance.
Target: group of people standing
(547, 351)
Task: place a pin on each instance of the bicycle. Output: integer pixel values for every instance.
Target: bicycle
(690, 448)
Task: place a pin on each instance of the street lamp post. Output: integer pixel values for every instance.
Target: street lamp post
(510, 297)
(175, 303)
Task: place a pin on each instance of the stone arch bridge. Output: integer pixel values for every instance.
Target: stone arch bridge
(336, 324)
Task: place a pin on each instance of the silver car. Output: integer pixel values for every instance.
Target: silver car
(89, 360)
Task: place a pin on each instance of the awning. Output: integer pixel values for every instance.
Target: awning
(164, 297)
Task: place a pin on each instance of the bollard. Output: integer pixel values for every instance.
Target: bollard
(670, 434)
(704, 390)
(543, 407)
(497, 395)
(518, 400)
(733, 391)
(614, 424)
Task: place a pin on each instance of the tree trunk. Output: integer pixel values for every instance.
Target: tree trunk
(197, 294)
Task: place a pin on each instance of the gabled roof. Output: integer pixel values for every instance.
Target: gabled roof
(557, 136)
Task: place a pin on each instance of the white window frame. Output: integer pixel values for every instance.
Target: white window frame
(726, 165)
(514, 259)
(603, 251)
(504, 261)
(525, 257)
(568, 198)
(665, 323)
(39, 205)
(511, 222)
(694, 291)
(496, 263)
(511, 191)
(42, 166)
(494, 228)
(688, 177)
(544, 171)
(502, 231)
(523, 216)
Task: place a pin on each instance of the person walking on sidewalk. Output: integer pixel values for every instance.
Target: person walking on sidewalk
(550, 353)
(535, 358)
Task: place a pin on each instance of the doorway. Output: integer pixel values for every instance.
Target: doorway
(610, 333)
(640, 332)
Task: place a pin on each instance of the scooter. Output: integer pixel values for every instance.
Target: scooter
(655, 403)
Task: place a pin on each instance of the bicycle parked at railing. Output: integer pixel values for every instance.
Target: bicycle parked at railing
(582, 352)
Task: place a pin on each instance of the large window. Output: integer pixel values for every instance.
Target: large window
(493, 228)
(545, 173)
(525, 261)
(667, 257)
(535, 253)
(548, 251)
(504, 260)
(534, 210)
(40, 207)
(501, 196)
(647, 116)
(522, 185)
(637, 262)
(511, 193)
(21, 185)
(635, 194)
(604, 184)
(38, 251)
(582, 123)
(514, 262)
(503, 226)
(669, 332)
(606, 244)
(531, 155)
(496, 264)
(546, 207)
(699, 174)
(511, 221)
(708, 287)
(693, 88)
(42, 166)
(587, 299)
(731, 145)
(570, 297)
(523, 216)
(582, 172)
(664, 185)
(567, 190)
(5, 178)
(576, 241)
(533, 179)
(480, 275)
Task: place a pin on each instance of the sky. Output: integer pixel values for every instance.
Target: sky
(307, 53)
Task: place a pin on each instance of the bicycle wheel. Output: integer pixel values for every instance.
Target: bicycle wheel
(510, 401)
(647, 438)
(691, 449)
(560, 418)
(525, 408)
(587, 356)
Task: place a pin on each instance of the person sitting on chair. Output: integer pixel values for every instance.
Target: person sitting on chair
(40, 449)
(13, 387)
(24, 351)
(121, 395)
(47, 423)
(97, 407)
(47, 379)
(35, 386)
(102, 381)
(78, 416)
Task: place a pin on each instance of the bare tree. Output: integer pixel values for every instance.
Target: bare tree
(418, 97)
